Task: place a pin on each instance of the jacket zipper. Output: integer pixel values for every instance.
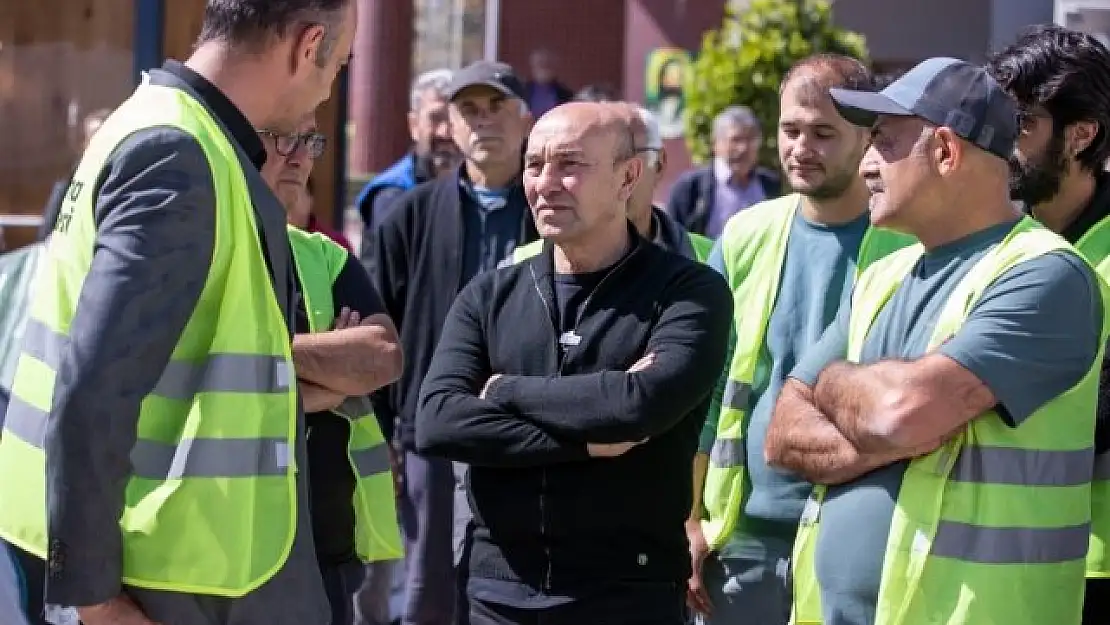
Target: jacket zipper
(561, 356)
(543, 471)
(597, 287)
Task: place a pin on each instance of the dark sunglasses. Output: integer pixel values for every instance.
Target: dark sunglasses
(286, 144)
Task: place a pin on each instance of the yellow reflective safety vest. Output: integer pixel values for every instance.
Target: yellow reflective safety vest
(992, 528)
(701, 245)
(319, 261)
(1094, 245)
(753, 246)
(210, 507)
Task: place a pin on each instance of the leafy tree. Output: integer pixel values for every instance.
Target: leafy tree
(744, 60)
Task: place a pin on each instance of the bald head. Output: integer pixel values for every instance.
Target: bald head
(578, 120)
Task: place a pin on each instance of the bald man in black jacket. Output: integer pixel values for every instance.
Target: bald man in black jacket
(574, 384)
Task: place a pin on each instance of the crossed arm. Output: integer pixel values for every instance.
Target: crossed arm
(858, 418)
(360, 355)
(1033, 334)
(685, 353)
(455, 421)
(515, 420)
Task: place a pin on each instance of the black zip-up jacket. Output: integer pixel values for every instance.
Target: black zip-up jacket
(418, 269)
(546, 513)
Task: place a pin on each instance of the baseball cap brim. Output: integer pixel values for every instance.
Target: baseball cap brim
(862, 108)
(492, 84)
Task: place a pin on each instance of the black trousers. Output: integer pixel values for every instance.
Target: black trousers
(619, 607)
(1096, 602)
(340, 582)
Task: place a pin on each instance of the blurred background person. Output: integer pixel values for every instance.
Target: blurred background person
(704, 199)
(433, 152)
(89, 126)
(544, 91)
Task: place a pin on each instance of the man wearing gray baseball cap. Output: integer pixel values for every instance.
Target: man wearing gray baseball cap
(949, 410)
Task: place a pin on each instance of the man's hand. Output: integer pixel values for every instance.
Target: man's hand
(487, 385)
(316, 398)
(696, 596)
(610, 450)
(119, 610)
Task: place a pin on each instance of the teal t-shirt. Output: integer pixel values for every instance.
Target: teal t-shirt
(816, 279)
(1032, 335)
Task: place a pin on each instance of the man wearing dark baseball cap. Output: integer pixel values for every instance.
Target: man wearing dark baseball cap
(949, 411)
(497, 76)
(440, 235)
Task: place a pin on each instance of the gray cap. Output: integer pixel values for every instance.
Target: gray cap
(946, 92)
(497, 76)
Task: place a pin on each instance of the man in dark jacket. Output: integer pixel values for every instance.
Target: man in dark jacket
(579, 434)
(702, 200)
(433, 153)
(438, 236)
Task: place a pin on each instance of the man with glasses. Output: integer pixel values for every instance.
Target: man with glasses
(298, 199)
(352, 509)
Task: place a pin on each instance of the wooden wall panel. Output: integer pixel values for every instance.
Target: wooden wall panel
(59, 60)
(182, 25)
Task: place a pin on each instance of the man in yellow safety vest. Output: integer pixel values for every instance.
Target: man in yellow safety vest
(154, 407)
(947, 415)
(354, 517)
(790, 263)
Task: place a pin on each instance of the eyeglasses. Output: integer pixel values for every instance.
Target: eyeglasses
(286, 144)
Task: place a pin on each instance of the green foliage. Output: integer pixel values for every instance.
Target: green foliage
(744, 61)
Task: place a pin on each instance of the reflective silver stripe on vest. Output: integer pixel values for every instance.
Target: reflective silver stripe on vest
(1010, 545)
(210, 457)
(1027, 467)
(736, 394)
(43, 343)
(26, 422)
(372, 461)
(227, 373)
(727, 453)
(181, 380)
(1102, 466)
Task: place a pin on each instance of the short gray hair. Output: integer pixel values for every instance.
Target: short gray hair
(741, 116)
(436, 80)
(653, 141)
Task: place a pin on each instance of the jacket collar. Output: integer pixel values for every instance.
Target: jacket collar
(669, 235)
(543, 264)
